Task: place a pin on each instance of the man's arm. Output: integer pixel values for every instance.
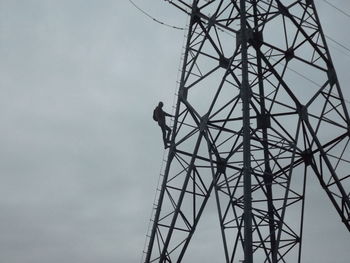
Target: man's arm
(167, 114)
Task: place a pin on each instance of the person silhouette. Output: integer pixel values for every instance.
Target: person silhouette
(159, 116)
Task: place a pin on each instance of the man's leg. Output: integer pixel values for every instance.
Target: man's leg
(164, 136)
(169, 132)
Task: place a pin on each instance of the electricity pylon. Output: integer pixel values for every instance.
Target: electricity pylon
(259, 110)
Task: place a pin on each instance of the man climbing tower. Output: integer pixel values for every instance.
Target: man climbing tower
(159, 116)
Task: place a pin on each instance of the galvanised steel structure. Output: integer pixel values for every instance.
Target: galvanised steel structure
(259, 110)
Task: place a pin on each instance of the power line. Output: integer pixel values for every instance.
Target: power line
(297, 72)
(313, 82)
(182, 28)
(344, 13)
(344, 52)
(222, 30)
(153, 18)
(337, 8)
(338, 43)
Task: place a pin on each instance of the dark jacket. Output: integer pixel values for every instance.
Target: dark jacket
(160, 115)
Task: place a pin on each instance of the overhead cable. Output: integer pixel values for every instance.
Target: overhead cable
(153, 18)
(337, 8)
(338, 43)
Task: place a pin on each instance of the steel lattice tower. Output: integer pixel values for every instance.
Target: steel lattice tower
(259, 110)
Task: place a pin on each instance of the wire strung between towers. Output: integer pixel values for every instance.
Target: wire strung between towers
(182, 28)
(224, 31)
(155, 19)
(337, 8)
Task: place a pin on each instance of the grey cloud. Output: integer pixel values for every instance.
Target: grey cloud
(80, 155)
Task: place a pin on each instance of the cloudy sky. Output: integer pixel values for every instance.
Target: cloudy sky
(80, 154)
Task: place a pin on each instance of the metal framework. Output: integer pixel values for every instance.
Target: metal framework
(259, 110)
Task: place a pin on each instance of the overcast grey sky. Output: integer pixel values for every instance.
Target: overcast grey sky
(80, 154)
